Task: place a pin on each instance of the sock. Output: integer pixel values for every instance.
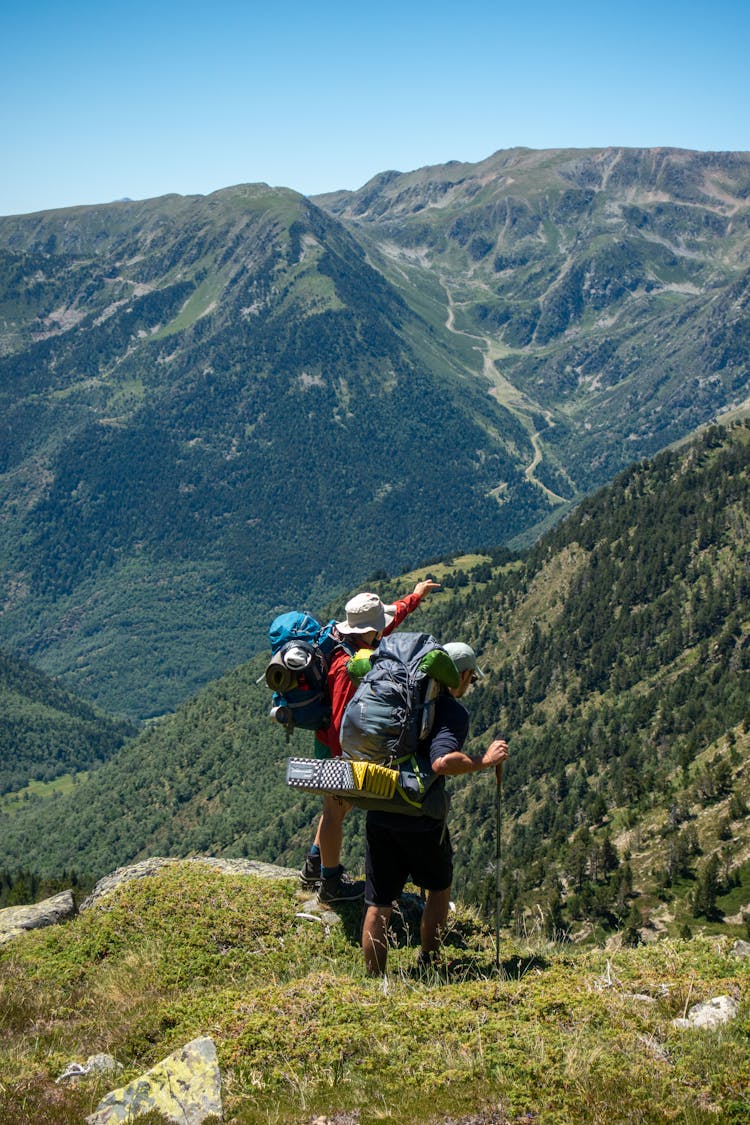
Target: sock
(328, 872)
(314, 849)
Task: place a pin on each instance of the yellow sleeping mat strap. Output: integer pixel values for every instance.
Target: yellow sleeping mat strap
(375, 779)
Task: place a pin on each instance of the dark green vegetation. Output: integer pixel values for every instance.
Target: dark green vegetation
(215, 407)
(212, 407)
(556, 1036)
(620, 651)
(45, 731)
(619, 657)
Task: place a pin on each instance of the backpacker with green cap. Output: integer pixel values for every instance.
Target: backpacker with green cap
(392, 710)
(390, 713)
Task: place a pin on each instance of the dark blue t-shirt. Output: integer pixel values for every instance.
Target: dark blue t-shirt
(450, 727)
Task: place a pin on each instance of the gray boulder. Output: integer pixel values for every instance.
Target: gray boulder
(15, 920)
(714, 1013)
(94, 1065)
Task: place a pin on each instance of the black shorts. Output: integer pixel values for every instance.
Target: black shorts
(393, 857)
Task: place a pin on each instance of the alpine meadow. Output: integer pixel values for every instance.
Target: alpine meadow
(526, 379)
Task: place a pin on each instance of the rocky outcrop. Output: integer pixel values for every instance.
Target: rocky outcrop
(185, 1088)
(15, 920)
(714, 1013)
(155, 864)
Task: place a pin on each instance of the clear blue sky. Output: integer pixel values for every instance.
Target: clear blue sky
(100, 100)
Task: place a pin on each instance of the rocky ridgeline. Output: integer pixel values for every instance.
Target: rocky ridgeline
(151, 866)
(186, 1086)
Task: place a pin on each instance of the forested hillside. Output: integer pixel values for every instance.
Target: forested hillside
(214, 407)
(211, 407)
(45, 731)
(618, 659)
(621, 660)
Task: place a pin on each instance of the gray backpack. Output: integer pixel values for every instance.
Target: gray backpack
(392, 710)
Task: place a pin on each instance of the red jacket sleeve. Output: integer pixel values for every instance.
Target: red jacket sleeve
(404, 606)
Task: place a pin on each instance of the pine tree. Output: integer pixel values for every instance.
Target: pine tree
(631, 934)
(706, 891)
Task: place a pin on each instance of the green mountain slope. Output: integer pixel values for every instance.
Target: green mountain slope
(555, 1035)
(622, 662)
(619, 655)
(607, 288)
(215, 407)
(45, 731)
(212, 407)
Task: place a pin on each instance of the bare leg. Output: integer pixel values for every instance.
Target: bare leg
(375, 939)
(433, 919)
(331, 830)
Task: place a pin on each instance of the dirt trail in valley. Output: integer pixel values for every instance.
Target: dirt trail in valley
(521, 407)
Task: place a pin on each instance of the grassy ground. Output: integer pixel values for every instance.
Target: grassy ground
(557, 1035)
(40, 790)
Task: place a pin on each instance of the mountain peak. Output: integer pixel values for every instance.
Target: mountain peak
(510, 332)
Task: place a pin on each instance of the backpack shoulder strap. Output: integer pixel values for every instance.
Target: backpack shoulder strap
(339, 641)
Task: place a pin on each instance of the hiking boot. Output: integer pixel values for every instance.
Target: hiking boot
(340, 888)
(309, 876)
(427, 963)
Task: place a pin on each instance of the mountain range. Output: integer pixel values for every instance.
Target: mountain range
(618, 653)
(217, 407)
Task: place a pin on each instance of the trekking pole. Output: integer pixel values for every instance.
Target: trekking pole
(498, 870)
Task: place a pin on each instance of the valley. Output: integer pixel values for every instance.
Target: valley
(507, 395)
(617, 652)
(198, 393)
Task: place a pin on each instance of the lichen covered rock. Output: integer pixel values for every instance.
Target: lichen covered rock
(185, 1087)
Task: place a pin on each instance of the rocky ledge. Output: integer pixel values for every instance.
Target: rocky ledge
(16, 920)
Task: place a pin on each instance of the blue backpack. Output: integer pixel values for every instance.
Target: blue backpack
(297, 674)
